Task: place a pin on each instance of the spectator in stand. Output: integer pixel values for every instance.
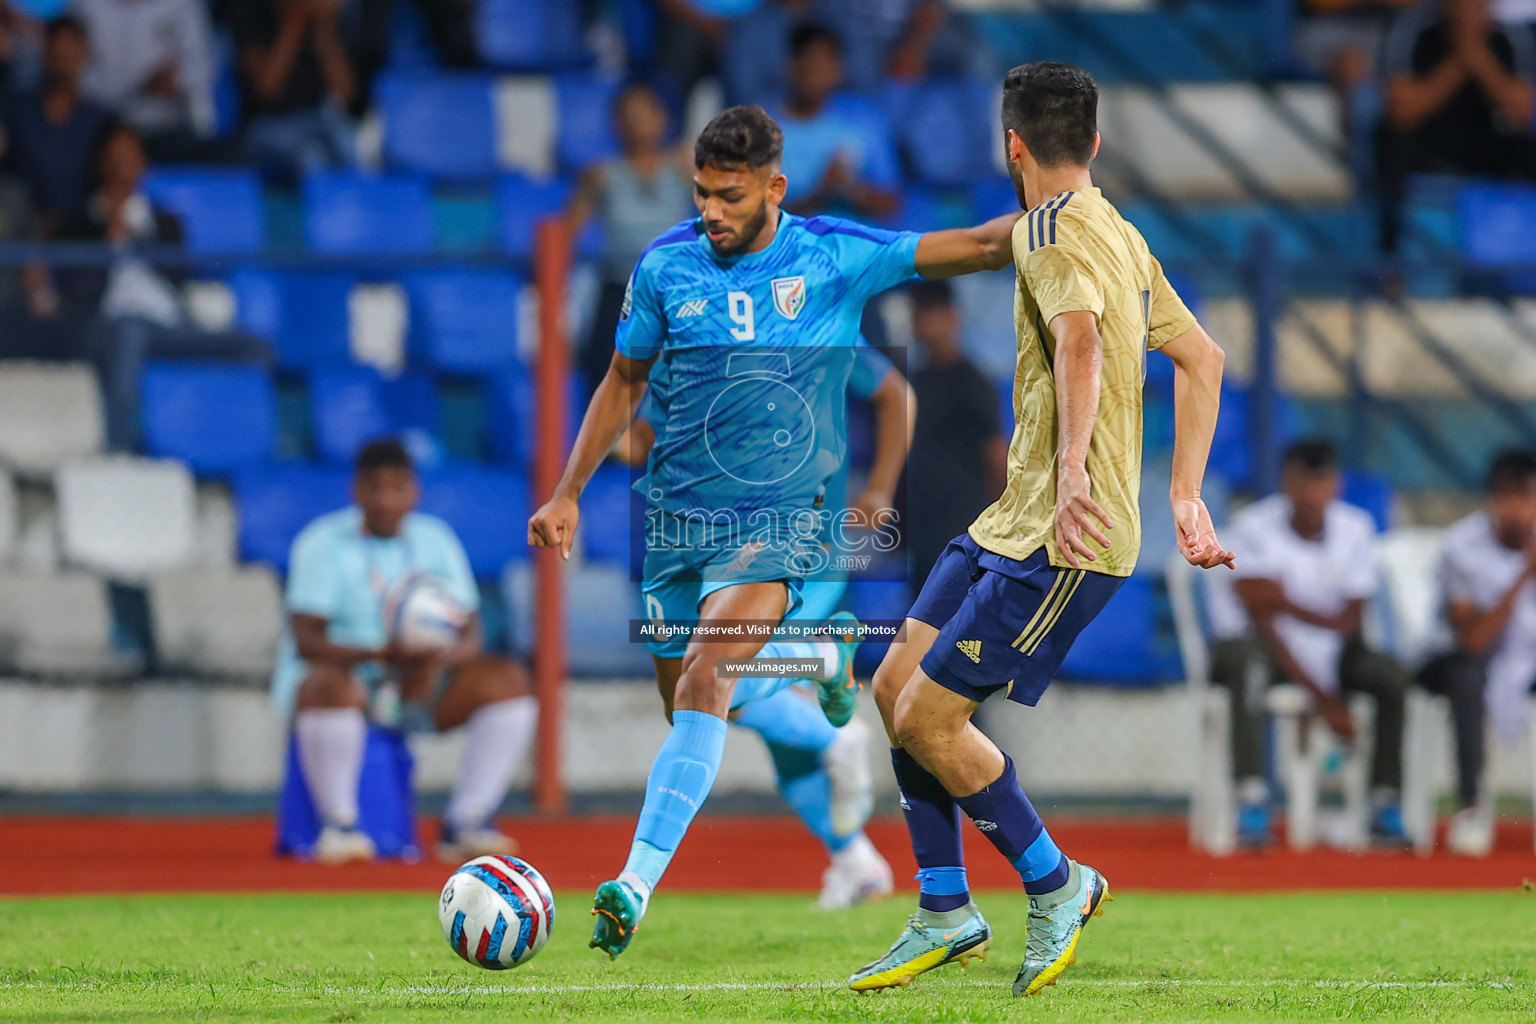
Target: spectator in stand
(1293, 613)
(636, 195)
(838, 155)
(1459, 101)
(756, 57)
(132, 311)
(450, 28)
(1488, 603)
(53, 132)
(298, 81)
(15, 209)
(959, 457)
(157, 74)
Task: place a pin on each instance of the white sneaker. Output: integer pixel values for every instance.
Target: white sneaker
(458, 845)
(1470, 833)
(858, 875)
(338, 845)
(853, 784)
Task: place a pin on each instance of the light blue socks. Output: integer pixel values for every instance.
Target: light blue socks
(680, 780)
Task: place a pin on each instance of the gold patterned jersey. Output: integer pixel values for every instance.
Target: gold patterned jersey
(1075, 252)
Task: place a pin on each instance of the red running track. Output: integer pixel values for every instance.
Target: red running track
(720, 854)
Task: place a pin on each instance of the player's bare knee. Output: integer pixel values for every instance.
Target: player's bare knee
(329, 686)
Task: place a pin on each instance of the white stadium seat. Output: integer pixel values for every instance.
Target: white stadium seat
(1181, 167)
(525, 125)
(10, 519)
(217, 622)
(59, 625)
(50, 413)
(126, 518)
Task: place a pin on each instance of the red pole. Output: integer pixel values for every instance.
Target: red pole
(553, 257)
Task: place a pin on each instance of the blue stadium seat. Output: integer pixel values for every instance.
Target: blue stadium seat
(443, 125)
(585, 132)
(1005, 406)
(464, 320)
(958, 111)
(513, 415)
(1121, 644)
(530, 35)
(521, 202)
(487, 507)
(304, 314)
(348, 214)
(275, 502)
(352, 405)
(873, 600)
(347, 410)
(216, 417)
(608, 516)
(220, 210)
(1372, 492)
(993, 196)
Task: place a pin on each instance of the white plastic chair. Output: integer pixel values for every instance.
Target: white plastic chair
(50, 413)
(1303, 745)
(127, 518)
(217, 621)
(59, 625)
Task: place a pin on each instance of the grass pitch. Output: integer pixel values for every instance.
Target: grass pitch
(381, 957)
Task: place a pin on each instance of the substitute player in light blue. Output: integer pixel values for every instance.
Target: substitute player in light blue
(337, 663)
(822, 770)
(755, 313)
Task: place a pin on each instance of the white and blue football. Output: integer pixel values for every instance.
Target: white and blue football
(496, 912)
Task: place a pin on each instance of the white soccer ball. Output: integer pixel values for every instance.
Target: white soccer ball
(496, 912)
(423, 614)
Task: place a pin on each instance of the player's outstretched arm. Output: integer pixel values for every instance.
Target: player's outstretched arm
(1078, 367)
(1197, 363)
(612, 408)
(959, 251)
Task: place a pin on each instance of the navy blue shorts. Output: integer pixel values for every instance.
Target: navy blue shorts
(1004, 622)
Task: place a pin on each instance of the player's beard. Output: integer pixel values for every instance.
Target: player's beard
(746, 236)
(1016, 175)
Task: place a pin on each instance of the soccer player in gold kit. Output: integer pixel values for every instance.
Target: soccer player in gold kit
(1005, 600)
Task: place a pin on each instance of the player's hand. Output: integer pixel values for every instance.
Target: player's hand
(1197, 536)
(1336, 713)
(1077, 515)
(869, 505)
(554, 525)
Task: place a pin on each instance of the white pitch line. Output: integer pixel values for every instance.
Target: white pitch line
(767, 986)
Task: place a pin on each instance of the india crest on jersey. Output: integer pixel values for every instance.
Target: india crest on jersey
(789, 296)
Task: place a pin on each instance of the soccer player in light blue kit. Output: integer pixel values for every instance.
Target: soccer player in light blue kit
(822, 770)
(755, 313)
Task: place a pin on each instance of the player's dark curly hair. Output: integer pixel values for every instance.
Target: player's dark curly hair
(1055, 109)
(385, 453)
(1512, 469)
(739, 137)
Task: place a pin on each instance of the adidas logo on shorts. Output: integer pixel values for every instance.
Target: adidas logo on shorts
(971, 649)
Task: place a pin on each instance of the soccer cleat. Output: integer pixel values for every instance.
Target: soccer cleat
(1470, 833)
(858, 874)
(1054, 931)
(1253, 832)
(839, 695)
(458, 845)
(852, 783)
(1387, 830)
(922, 948)
(338, 845)
(618, 909)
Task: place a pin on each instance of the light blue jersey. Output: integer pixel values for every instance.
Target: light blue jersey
(758, 350)
(338, 572)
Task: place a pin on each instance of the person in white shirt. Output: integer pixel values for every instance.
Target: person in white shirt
(153, 65)
(1292, 612)
(1488, 606)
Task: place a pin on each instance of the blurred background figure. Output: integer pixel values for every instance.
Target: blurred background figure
(1459, 101)
(959, 456)
(298, 81)
(340, 663)
(1487, 564)
(635, 196)
(838, 156)
(1294, 614)
(155, 72)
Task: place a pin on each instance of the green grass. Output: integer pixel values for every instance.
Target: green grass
(1410, 956)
